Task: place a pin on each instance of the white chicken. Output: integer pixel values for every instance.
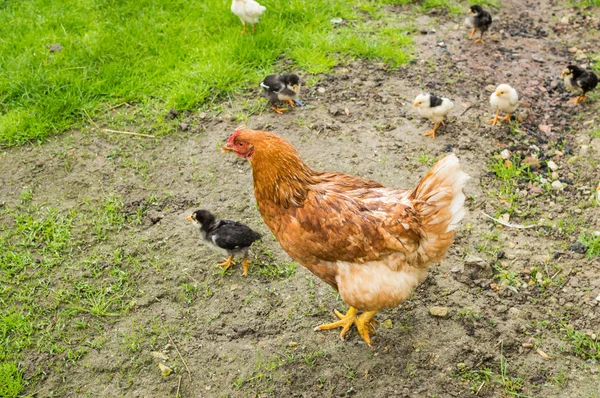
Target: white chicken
(506, 99)
(249, 11)
(433, 108)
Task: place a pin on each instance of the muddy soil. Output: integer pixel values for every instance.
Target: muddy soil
(253, 336)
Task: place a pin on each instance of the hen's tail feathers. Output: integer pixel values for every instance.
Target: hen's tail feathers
(439, 201)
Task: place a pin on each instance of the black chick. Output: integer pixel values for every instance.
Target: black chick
(234, 237)
(281, 88)
(586, 80)
(479, 20)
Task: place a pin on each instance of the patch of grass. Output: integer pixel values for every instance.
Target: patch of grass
(583, 345)
(510, 175)
(586, 3)
(427, 159)
(11, 380)
(58, 284)
(592, 242)
(109, 54)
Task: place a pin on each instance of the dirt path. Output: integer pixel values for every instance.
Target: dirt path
(505, 288)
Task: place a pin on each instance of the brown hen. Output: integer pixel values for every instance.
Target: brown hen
(371, 243)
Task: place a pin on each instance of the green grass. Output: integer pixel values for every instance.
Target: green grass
(58, 283)
(583, 345)
(592, 242)
(159, 54)
(11, 380)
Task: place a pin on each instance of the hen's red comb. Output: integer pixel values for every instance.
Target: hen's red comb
(233, 136)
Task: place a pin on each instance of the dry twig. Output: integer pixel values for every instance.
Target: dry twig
(179, 353)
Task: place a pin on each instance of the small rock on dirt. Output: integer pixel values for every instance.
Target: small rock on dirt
(579, 247)
(334, 110)
(557, 185)
(458, 268)
(155, 216)
(441, 312)
(472, 260)
(552, 165)
(537, 58)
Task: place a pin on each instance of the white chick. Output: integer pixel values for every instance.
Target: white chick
(433, 108)
(249, 11)
(506, 99)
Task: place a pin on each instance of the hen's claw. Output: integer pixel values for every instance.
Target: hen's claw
(506, 118)
(364, 323)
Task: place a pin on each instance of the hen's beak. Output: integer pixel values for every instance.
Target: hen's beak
(227, 148)
(416, 104)
(189, 218)
(469, 12)
(497, 94)
(563, 74)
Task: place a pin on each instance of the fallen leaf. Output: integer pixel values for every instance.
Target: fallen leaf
(544, 128)
(347, 111)
(164, 370)
(527, 345)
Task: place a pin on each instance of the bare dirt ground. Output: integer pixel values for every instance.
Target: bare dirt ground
(504, 287)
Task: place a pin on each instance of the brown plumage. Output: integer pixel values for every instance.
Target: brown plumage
(373, 244)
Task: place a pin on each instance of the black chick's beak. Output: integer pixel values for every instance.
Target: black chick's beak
(189, 218)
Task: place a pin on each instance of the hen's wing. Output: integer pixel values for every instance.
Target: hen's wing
(340, 222)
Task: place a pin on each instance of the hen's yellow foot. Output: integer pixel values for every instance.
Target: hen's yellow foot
(480, 40)
(290, 103)
(228, 263)
(506, 118)
(364, 323)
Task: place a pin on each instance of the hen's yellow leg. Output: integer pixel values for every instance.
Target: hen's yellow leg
(494, 121)
(506, 118)
(290, 103)
(472, 33)
(244, 30)
(432, 132)
(228, 263)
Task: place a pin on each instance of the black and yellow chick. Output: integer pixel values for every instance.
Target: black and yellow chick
(234, 237)
(480, 20)
(574, 76)
(281, 88)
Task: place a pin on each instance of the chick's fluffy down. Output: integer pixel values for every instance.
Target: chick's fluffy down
(505, 98)
(436, 114)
